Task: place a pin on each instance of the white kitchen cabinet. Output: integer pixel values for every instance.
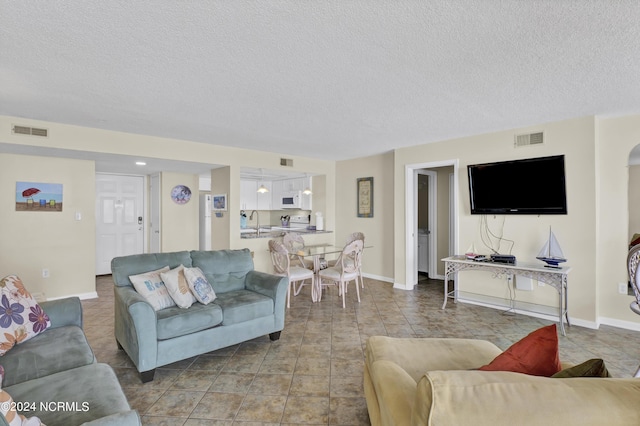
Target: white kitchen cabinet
(251, 199)
(264, 201)
(278, 187)
(248, 195)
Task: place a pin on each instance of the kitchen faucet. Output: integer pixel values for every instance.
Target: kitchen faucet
(257, 219)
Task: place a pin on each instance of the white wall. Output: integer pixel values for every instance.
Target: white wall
(32, 241)
(377, 261)
(573, 138)
(180, 222)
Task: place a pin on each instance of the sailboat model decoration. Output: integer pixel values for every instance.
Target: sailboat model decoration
(551, 253)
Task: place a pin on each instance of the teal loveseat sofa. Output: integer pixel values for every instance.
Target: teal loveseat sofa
(55, 377)
(249, 304)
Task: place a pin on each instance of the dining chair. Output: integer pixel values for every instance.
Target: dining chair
(282, 266)
(352, 237)
(633, 259)
(294, 242)
(345, 271)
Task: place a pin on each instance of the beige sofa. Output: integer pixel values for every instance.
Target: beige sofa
(433, 382)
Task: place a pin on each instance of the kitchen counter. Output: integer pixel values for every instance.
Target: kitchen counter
(274, 232)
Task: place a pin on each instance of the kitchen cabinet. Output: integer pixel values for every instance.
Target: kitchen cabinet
(251, 199)
(297, 184)
(264, 201)
(248, 195)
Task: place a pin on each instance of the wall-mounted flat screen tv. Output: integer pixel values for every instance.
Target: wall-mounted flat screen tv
(529, 186)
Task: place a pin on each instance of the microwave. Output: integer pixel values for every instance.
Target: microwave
(291, 200)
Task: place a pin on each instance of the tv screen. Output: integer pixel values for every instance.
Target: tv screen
(529, 186)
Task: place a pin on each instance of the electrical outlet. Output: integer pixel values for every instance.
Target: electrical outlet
(45, 273)
(622, 288)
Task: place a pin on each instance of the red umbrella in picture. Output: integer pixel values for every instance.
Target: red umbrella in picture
(28, 193)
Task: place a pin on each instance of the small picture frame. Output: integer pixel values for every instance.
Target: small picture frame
(365, 197)
(219, 203)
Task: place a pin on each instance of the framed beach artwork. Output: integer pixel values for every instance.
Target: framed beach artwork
(38, 197)
(219, 203)
(365, 197)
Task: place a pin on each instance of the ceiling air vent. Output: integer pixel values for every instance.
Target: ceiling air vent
(286, 162)
(33, 131)
(528, 139)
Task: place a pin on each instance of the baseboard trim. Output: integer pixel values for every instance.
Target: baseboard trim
(378, 277)
(82, 296)
(627, 325)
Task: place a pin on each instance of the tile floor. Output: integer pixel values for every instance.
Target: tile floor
(313, 374)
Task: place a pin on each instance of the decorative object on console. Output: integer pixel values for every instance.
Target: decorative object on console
(551, 253)
(21, 317)
(181, 194)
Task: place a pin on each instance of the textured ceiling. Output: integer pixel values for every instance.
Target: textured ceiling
(324, 79)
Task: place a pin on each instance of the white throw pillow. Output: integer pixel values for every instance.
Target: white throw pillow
(199, 285)
(178, 287)
(152, 288)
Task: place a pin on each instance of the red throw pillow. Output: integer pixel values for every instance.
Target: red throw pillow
(536, 354)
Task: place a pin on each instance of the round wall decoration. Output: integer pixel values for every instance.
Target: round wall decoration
(181, 194)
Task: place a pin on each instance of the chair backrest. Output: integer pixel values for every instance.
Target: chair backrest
(351, 258)
(293, 241)
(279, 257)
(355, 236)
(633, 259)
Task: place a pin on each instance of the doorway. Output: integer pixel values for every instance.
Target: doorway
(442, 217)
(119, 218)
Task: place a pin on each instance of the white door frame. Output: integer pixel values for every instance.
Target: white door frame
(411, 231)
(432, 237)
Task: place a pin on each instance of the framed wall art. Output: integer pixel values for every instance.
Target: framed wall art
(219, 203)
(38, 196)
(365, 197)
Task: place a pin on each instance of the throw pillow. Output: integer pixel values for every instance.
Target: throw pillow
(591, 368)
(152, 288)
(178, 287)
(536, 354)
(199, 285)
(7, 409)
(21, 317)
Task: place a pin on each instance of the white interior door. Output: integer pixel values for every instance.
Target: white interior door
(119, 218)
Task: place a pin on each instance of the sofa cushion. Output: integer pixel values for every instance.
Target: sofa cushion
(243, 305)
(45, 355)
(175, 321)
(489, 398)
(224, 269)
(91, 392)
(536, 354)
(178, 287)
(21, 317)
(199, 285)
(591, 368)
(418, 355)
(151, 287)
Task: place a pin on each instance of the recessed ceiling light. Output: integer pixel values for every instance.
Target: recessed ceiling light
(141, 163)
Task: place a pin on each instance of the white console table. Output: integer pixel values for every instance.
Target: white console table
(555, 277)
